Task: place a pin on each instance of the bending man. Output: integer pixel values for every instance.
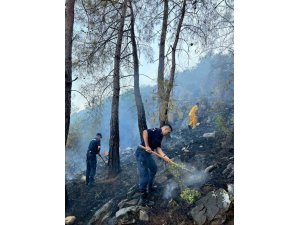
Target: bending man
(147, 168)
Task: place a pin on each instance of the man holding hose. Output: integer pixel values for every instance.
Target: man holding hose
(147, 168)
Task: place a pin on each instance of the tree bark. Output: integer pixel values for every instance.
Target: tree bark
(114, 157)
(142, 124)
(161, 62)
(166, 100)
(69, 21)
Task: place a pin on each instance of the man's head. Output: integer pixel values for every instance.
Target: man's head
(98, 136)
(166, 129)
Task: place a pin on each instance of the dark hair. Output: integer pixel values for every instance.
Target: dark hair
(168, 126)
(99, 134)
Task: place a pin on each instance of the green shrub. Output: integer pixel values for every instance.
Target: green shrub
(190, 195)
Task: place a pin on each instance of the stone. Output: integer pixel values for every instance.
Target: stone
(209, 169)
(124, 211)
(198, 214)
(122, 203)
(131, 202)
(209, 135)
(230, 189)
(228, 168)
(143, 215)
(211, 208)
(83, 178)
(70, 219)
(104, 210)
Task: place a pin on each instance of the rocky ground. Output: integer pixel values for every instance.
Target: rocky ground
(210, 161)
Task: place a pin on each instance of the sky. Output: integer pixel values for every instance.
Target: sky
(146, 68)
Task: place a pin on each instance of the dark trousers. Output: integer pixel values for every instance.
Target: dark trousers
(91, 163)
(147, 169)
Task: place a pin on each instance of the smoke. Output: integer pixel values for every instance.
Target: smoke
(196, 178)
(209, 76)
(169, 190)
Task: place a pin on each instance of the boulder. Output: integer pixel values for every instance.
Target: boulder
(211, 209)
(210, 168)
(103, 211)
(230, 190)
(143, 215)
(129, 214)
(122, 203)
(70, 219)
(228, 168)
(131, 202)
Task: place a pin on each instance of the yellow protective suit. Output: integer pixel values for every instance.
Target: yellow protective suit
(193, 116)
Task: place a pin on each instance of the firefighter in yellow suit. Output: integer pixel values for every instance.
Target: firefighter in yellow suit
(193, 116)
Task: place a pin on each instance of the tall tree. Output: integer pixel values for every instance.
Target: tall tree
(142, 124)
(161, 61)
(170, 83)
(69, 22)
(114, 157)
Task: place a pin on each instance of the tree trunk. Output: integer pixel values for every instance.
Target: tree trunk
(161, 62)
(114, 157)
(170, 84)
(69, 21)
(142, 124)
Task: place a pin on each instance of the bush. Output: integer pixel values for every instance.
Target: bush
(190, 195)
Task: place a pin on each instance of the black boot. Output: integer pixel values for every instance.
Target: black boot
(144, 201)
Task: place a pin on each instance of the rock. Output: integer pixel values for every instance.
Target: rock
(185, 149)
(230, 190)
(143, 215)
(228, 168)
(211, 208)
(127, 215)
(70, 219)
(103, 211)
(198, 214)
(131, 202)
(122, 203)
(210, 168)
(83, 178)
(124, 211)
(209, 135)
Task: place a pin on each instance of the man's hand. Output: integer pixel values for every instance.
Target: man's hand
(148, 149)
(167, 159)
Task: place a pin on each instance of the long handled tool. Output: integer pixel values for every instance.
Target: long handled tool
(171, 162)
(103, 159)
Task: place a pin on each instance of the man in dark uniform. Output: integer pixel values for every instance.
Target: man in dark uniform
(147, 168)
(91, 161)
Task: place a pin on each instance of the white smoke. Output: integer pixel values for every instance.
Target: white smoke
(169, 189)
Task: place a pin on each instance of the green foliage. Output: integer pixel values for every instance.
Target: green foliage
(190, 195)
(176, 171)
(221, 124)
(173, 204)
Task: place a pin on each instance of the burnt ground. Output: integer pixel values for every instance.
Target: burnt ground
(199, 153)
